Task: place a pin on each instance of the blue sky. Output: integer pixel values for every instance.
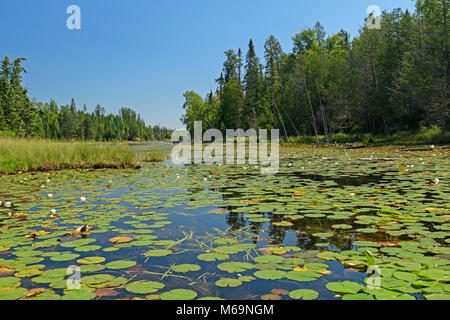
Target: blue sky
(145, 54)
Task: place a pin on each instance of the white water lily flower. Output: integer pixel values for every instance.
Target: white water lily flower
(48, 180)
(83, 199)
(290, 165)
(205, 179)
(1, 203)
(50, 195)
(436, 181)
(353, 194)
(8, 204)
(53, 211)
(42, 187)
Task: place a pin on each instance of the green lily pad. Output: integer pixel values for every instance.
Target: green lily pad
(268, 259)
(228, 282)
(65, 257)
(82, 294)
(91, 260)
(178, 294)
(344, 287)
(87, 248)
(121, 264)
(305, 294)
(96, 279)
(145, 287)
(270, 274)
(158, 253)
(213, 257)
(233, 267)
(183, 268)
(13, 293)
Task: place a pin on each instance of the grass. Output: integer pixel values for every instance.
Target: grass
(155, 154)
(44, 155)
(432, 135)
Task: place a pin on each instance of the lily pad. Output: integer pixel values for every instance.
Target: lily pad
(183, 268)
(305, 294)
(120, 264)
(145, 287)
(270, 274)
(178, 294)
(228, 282)
(158, 253)
(345, 287)
(91, 260)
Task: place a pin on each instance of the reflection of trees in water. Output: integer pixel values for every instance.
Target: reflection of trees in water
(303, 228)
(277, 234)
(235, 221)
(255, 228)
(341, 181)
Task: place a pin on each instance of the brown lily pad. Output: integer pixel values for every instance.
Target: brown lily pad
(280, 292)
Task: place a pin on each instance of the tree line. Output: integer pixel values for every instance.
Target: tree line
(22, 117)
(383, 81)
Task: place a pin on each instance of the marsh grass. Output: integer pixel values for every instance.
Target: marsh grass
(424, 135)
(153, 156)
(44, 155)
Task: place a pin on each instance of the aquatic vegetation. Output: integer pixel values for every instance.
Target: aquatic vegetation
(313, 231)
(44, 155)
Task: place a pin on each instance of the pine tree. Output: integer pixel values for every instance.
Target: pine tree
(251, 86)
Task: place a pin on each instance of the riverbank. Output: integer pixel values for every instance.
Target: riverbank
(423, 136)
(45, 155)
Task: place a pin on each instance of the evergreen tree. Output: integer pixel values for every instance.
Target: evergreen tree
(251, 88)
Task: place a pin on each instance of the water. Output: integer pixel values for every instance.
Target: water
(312, 207)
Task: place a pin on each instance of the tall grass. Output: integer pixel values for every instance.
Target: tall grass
(431, 135)
(40, 155)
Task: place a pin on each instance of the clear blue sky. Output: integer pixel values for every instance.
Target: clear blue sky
(145, 54)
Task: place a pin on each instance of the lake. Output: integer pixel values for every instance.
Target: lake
(312, 231)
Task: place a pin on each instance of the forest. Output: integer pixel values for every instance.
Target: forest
(22, 117)
(381, 82)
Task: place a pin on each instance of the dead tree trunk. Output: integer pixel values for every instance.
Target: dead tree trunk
(325, 125)
(312, 110)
